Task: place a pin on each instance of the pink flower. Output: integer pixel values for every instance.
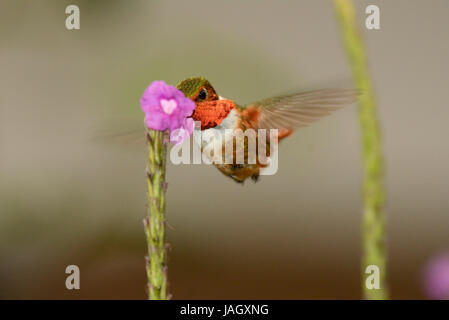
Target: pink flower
(166, 108)
(436, 277)
(177, 136)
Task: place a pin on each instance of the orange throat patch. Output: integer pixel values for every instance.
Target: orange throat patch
(212, 113)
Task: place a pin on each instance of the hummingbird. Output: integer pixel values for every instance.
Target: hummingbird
(285, 113)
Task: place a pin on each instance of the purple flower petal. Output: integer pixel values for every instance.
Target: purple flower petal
(166, 107)
(157, 121)
(178, 136)
(436, 277)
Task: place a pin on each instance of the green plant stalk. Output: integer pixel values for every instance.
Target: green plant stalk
(154, 223)
(373, 224)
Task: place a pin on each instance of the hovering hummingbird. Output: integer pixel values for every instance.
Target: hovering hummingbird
(285, 113)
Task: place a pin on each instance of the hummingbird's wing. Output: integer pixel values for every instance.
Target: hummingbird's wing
(120, 136)
(299, 110)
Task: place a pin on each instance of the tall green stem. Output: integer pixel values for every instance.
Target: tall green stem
(156, 264)
(373, 225)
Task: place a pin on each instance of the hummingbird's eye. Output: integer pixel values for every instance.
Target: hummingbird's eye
(202, 95)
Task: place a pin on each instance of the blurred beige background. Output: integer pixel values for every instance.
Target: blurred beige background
(70, 198)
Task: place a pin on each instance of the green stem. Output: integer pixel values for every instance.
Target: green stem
(373, 225)
(156, 264)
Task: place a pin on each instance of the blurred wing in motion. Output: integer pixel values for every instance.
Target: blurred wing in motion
(130, 137)
(298, 110)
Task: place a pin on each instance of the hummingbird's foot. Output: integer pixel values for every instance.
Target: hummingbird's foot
(255, 178)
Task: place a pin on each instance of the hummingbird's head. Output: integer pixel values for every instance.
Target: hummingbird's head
(198, 89)
(210, 109)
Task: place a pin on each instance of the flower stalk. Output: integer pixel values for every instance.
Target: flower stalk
(167, 118)
(154, 223)
(373, 224)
